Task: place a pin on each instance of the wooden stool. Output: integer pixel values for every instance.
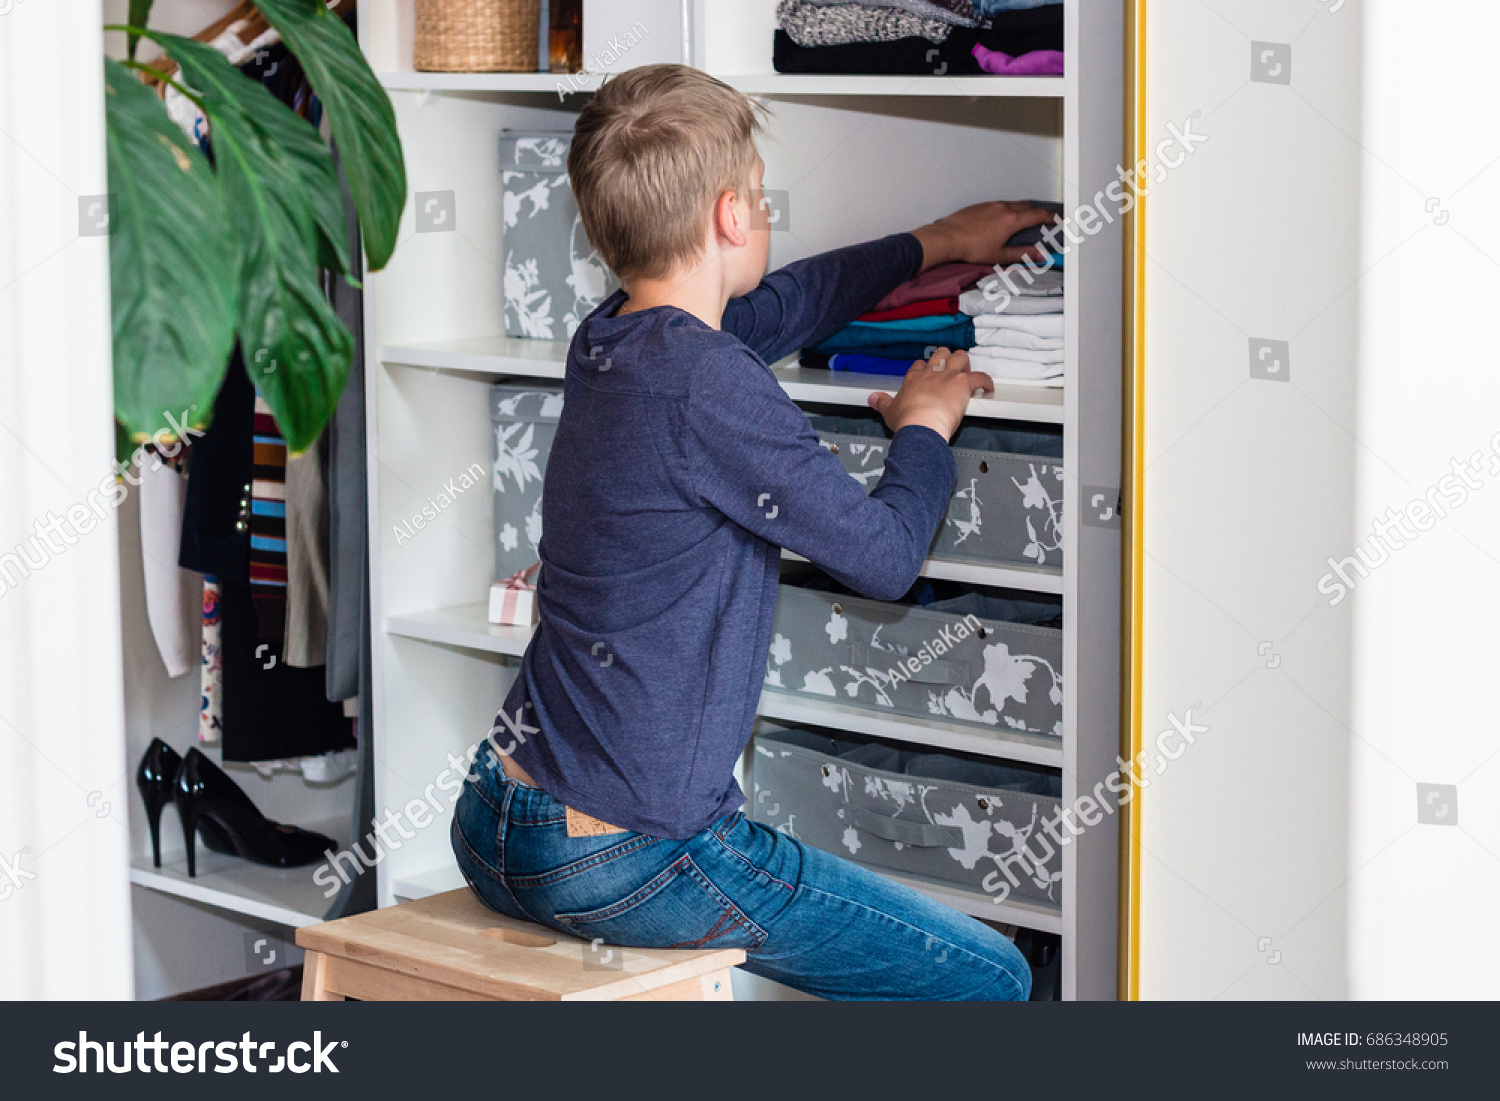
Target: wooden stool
(450, 947)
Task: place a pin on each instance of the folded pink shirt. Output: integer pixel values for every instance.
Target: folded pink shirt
(1035, 63)
(943, 281)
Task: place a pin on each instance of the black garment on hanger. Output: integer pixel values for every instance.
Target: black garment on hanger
(218, 489)
(272, 711)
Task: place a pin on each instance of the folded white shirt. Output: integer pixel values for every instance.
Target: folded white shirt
(1047, 325)
(1040, 383)
(1003, 368)
(996, 337)
(1029, 355)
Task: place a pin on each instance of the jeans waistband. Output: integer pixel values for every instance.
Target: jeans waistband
(522, 803)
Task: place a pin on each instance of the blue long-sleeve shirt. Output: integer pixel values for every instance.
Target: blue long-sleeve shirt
(679, 468)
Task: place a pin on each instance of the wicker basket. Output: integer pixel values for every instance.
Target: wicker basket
(477, 36)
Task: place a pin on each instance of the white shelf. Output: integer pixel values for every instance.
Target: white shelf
(772, 84)
(286, 896)
(839, 84)
(466, 626)
(489, 82)
(1009, 745)
(974, 573)
(1031, 915)
(1037, 404)
(493, 357)
(489, 357)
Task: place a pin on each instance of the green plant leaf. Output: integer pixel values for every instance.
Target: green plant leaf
(359, 112)
(223, 87)
(295, 349)
(171, 264)
(140, 11)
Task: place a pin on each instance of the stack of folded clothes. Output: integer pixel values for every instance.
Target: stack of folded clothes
(1018, 326)
(920, 37)
(905, 325)
(1009, 320)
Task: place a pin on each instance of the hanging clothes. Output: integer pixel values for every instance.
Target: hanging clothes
(348, 518)
(305, 643)
(265, 540)
(211, 669)
(216, 514)
(174, 596)
(271, 709)
(268, 525)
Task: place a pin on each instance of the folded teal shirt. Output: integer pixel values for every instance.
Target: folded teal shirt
(898, 339)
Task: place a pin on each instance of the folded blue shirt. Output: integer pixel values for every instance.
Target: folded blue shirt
(679, 468)
(897, 339)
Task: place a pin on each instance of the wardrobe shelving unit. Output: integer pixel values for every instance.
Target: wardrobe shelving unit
(286, 896)
(859, 157)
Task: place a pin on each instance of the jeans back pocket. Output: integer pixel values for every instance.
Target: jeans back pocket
(678, 908)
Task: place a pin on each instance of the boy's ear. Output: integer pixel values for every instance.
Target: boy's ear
(731, 217)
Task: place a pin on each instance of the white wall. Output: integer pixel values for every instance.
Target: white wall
(1244, 856)
(1351, 212)
(63, 888)
(1423, 897)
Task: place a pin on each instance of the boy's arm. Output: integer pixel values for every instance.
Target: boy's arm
(800, 304)
(803, 302)
(757, 460)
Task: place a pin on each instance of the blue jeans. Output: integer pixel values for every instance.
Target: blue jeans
(804, 917)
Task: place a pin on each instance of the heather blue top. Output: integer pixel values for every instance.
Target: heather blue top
(679, 468)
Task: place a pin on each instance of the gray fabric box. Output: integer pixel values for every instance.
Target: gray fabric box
(975, 825)
(525, 422)
(965, 665)
(1007, 508)
(553, 276)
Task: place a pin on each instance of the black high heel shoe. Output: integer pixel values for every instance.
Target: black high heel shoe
(210, 801)
(154, 779)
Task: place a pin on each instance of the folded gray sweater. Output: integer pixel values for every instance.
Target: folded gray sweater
(810, 24)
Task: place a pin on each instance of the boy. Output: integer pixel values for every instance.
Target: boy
(679, 470)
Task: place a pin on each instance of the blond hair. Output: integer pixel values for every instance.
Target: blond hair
(651, 153)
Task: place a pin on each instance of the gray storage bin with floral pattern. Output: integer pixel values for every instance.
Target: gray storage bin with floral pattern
(1006, 507)
(977, 825)
(553, 276)
(967, 665)
(525, 422)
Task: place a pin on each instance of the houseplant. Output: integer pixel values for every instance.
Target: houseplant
(203, 254)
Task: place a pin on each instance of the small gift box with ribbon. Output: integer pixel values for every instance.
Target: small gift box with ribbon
(513, 601)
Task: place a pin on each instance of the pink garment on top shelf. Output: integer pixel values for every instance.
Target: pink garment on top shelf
(1036, 63)
(943, 281)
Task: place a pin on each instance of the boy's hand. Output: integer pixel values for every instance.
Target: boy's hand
(936, 393)
(977, 234)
